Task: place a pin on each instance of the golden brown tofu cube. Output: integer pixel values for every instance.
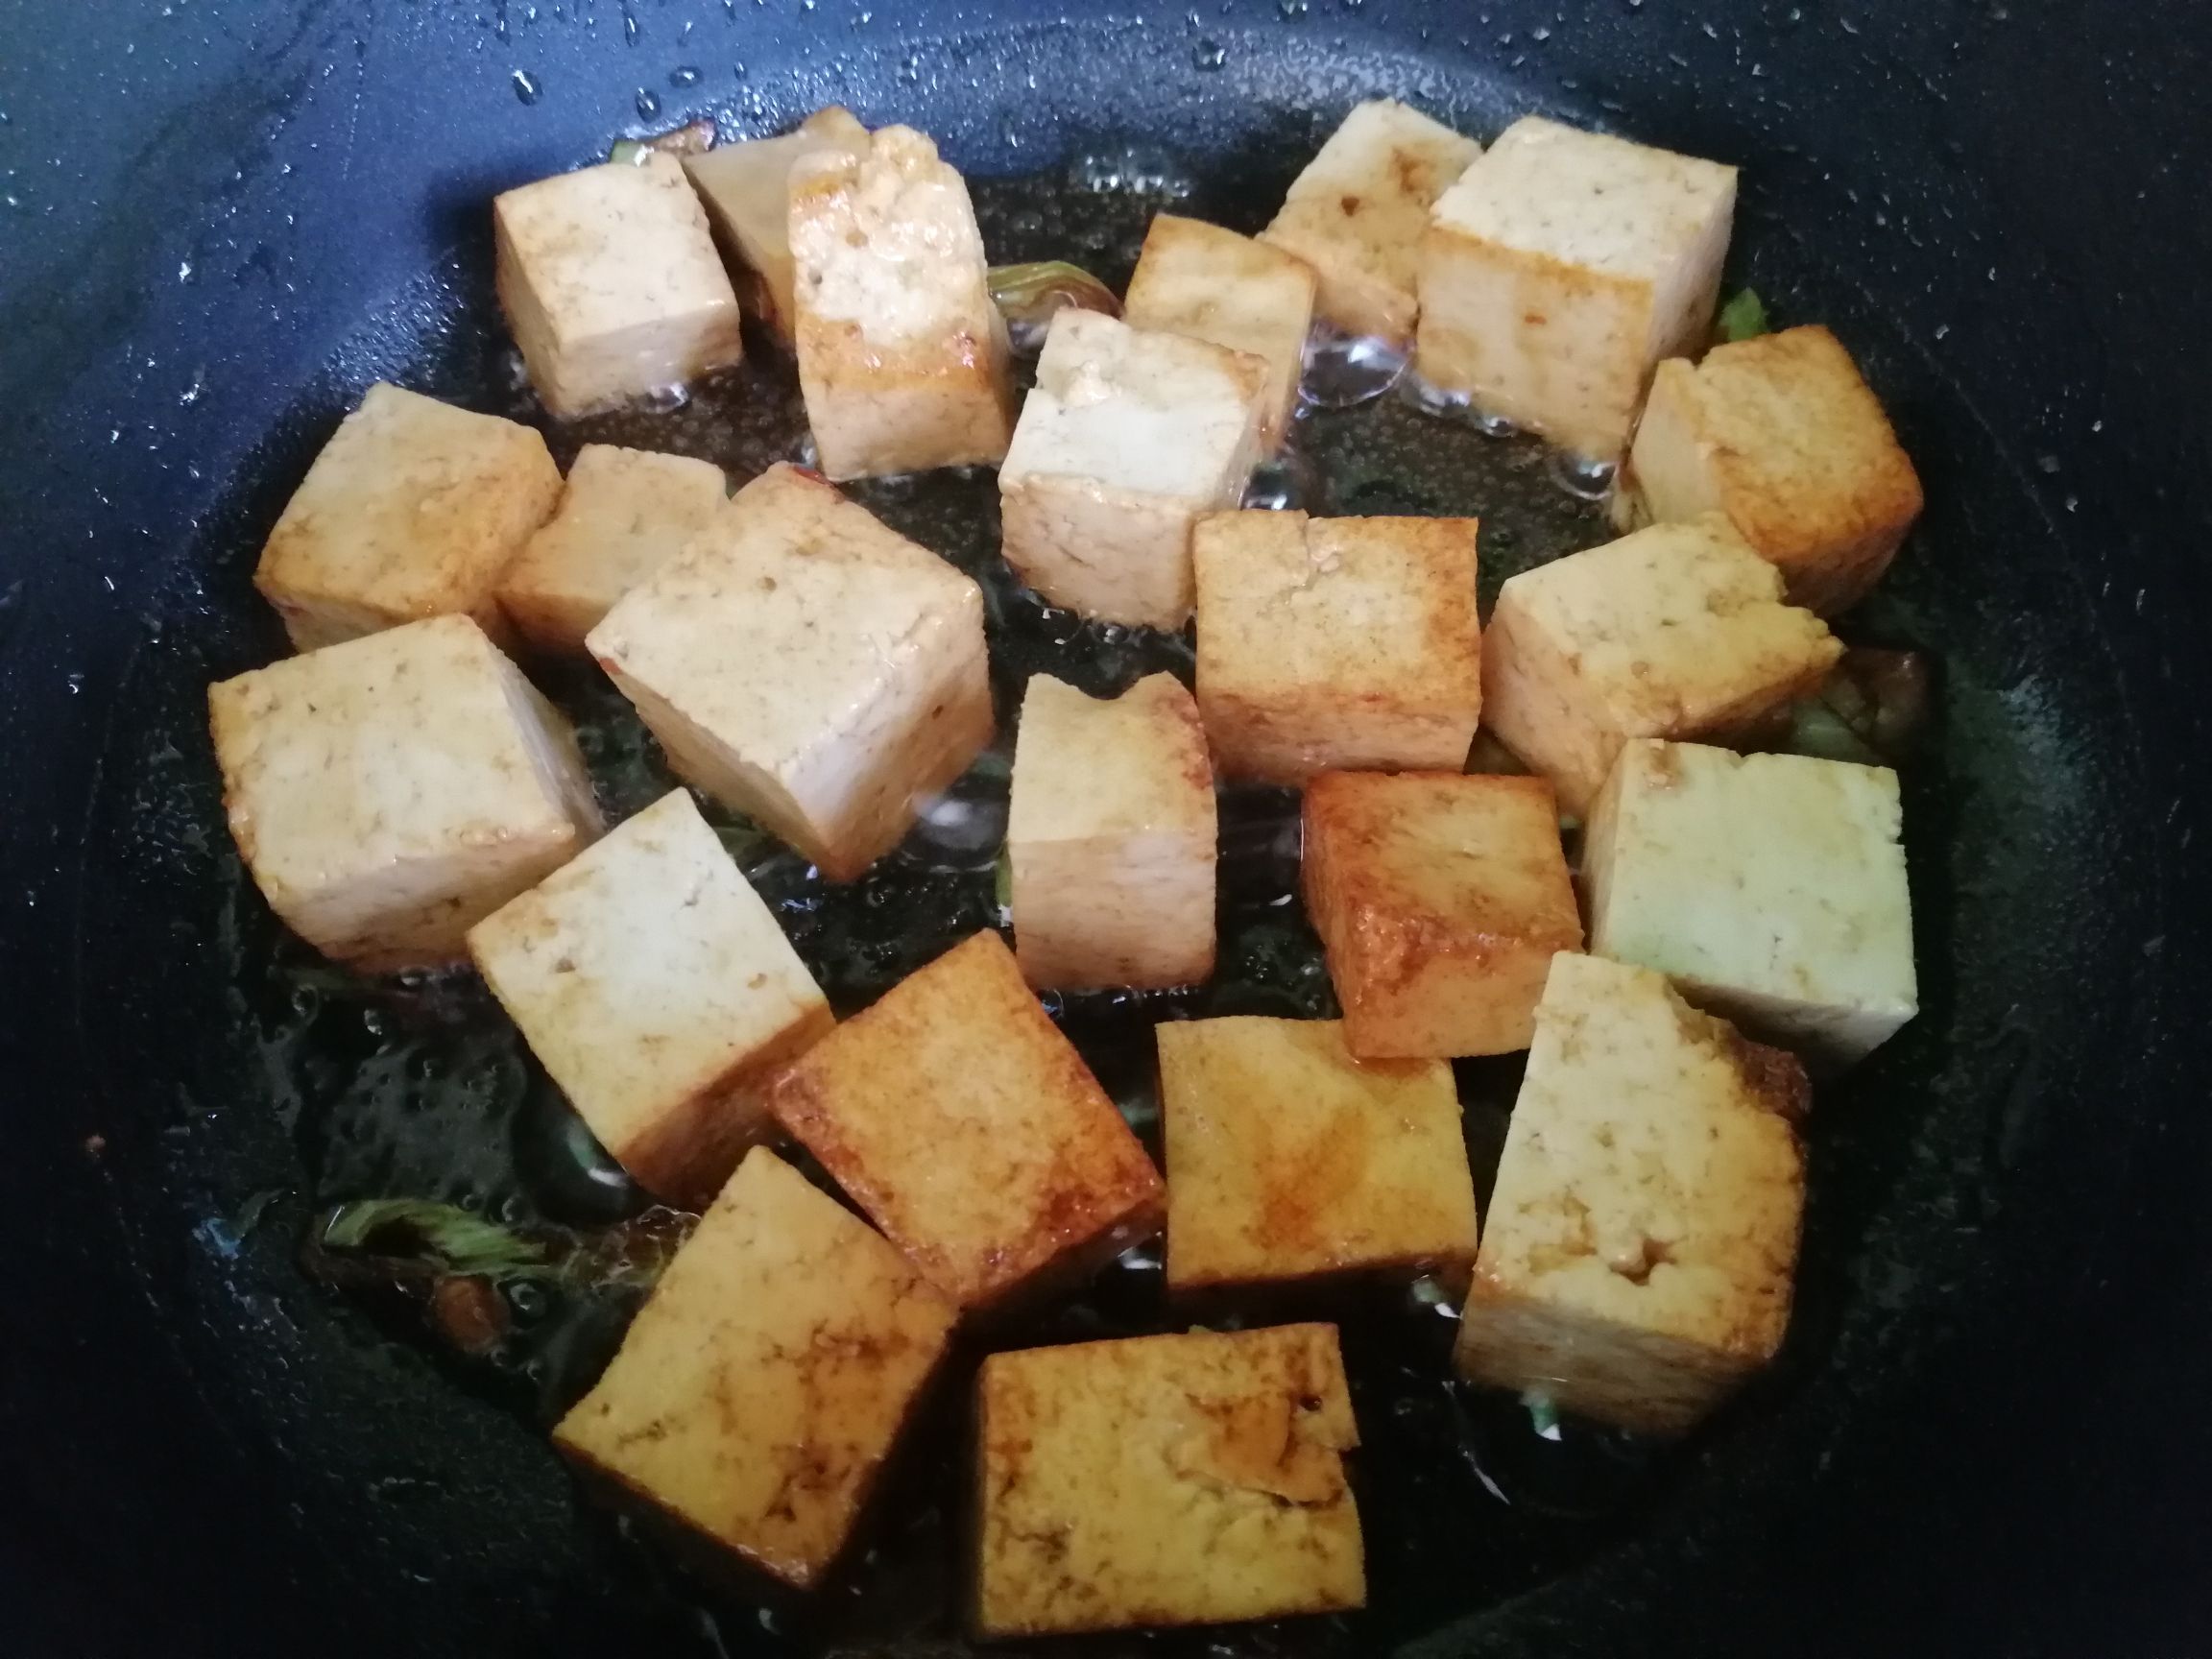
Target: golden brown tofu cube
(1677, 630)
(766, 1382)
(1441, 901)
(411, 509)
(1289, 1160)
(746, 190)
(1336, 644)
(1180, 1480)
(1111, 836)
(1782, 435)
(956, 1114)
(1641, 1240)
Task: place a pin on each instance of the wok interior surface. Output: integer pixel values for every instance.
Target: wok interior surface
(1985, 1193)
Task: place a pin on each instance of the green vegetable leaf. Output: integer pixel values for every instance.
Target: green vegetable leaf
(438, 1235)
(1743, 317)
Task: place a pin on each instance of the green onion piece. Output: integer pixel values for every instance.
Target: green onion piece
(442, 1234)
(1743, 317)
(1030, 294)
(1002, 882)
(1542, 1414)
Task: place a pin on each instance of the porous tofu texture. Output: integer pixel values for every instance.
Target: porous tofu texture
(658, 991)
(1770, 887)
(391, 792)
(1215, 285)
(411, 509)
(1179, 1479)
(1111, 836)
(746, 190)
(1642, 1238)
(808, 666)
(1288, 1160)
(1782, 435)
(1336, 643)
(1560, 267)
(612, 285)
(1441, 901)
(1359, 211)
(903, 354)
(1128, 437)
(766, 1379)
(623, 515)
(958, 1118)
(1675, 631)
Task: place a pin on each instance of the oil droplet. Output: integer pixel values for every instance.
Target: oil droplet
(910, 71)
(1209, 54)
(683, 75)
(664, 399)
(1584, 480)
(1286, 483)
(648, 102)
(1344, 370)
(1432, 400)
(629, 29)
(528, 89)
(1493, 425)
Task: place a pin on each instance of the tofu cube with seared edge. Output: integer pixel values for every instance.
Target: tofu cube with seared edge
(966, 1127)
(1770, 887)
(767, 1379)
(1198, 279)
(1675, 631)
(414, 509)
(1440, 902)
(389, 793)
(623, 515)
(1330, 644)
(658, 991)
(1292, 1162)
(903, 354)
(1641, 1244)
(1111, 836)
(1128, 438)
(1560, 269)
(612, 285)
(1180, 1479)
(1781, 435)
(807, 666)
(746, 189)
(1359, 212)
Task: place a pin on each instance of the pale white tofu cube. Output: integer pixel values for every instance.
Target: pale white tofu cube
(612, 285)
(389, 792)
(623, 514)
(1129, 436)
(1782, 435)
(1215, 285)
(903, 354)
(1561, 268)
(1336, 644)
(746, 189)
(658, 991)
(764, 1384)
(1770, 887)
(1359, 211)
(1110, 838)
(411, 509)
(1675, 631)
(1640, 1245)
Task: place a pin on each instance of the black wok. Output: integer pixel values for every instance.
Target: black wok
(219, 220)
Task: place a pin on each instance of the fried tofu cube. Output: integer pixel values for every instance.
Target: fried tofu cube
(612, 285)
(411, 509)
(658, 991)
(903, 354)
(389, 792)
(1782, 435)
(808, 666)
(1179, 1479)
(623, 515)
(1111, 836)
(746, 190)
(1359, 211)
(1288, 1160)
(1129, 436)
(1215, 285)
(956, 1114)
(1336, 644)
(1675, 631)
(1770, 887)
(1440, 902)
(1561, 268)
(1638, 1255)
(764, 1384)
